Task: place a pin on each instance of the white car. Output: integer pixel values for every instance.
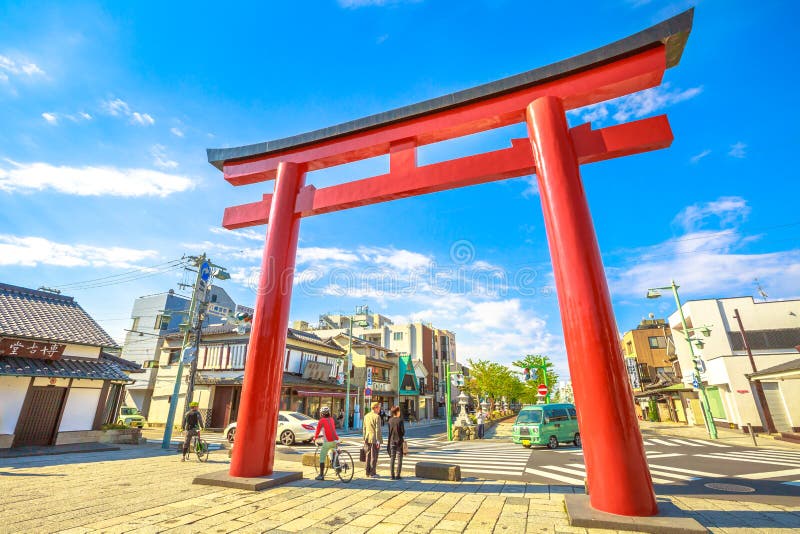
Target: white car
(292, 427)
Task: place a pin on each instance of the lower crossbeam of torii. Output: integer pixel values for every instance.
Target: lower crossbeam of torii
(617, 472)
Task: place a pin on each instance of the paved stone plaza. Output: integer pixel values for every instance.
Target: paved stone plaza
(143, 489)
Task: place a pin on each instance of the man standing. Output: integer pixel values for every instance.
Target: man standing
(373, 438)
(192, 424)
(480, 418)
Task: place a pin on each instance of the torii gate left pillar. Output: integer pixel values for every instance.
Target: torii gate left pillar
(616, 466)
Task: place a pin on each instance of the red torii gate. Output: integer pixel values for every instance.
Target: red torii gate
(616, 467)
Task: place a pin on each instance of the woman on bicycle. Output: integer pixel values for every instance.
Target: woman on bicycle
(329, 438)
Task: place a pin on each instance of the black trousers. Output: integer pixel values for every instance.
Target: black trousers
(396, 454)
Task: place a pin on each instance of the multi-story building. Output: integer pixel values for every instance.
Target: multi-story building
(772, 330)
(654, 371)
(433, 348)
(154, 317)
(313, 375)
(377, 360)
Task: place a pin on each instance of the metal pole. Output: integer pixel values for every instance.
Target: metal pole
(769, 424)
(447, 408)
(712, 429)
(347, 378)
(176, 390)
(752, 434)
(198, 332)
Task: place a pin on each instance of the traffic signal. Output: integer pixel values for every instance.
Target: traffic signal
(460, 380)
(527, 374)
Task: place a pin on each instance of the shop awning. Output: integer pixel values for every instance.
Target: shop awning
(324, 393)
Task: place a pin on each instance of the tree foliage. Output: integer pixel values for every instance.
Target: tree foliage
(493, 381)
(534, 362)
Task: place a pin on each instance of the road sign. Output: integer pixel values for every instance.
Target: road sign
(695, 382)
(542, 390)
(369, 379)
(205, 271)
(368, 392)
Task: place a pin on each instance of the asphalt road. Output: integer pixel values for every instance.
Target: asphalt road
(679, 466)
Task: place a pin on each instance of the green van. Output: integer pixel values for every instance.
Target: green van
(547, 424)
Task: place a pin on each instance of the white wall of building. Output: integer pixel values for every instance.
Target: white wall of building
(80, 409)
(12, 395)
(727, 368)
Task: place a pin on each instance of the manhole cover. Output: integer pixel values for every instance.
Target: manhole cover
(731, 488)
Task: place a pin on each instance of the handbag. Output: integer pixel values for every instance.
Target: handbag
(405, 448)
(362, 454)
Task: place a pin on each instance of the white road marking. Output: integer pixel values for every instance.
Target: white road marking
(688, 471)
(772, 474)
(554, 476)
(709, 443)
(662, 442)
(720, 456)
(664, 455)
(687, 442)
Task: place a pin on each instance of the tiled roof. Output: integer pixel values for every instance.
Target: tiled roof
(793, 365)
(33, 314)
(289, 379)
(63, 368)
(125, 365)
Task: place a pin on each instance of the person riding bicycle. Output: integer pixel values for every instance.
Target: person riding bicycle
(329, 438)
(192, 424)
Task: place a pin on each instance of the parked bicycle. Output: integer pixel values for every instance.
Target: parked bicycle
(198, 446)
(341, 461)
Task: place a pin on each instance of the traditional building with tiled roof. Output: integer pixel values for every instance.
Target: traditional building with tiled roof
(313, 374)
(57, 386)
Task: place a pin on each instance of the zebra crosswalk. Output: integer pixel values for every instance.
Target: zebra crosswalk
(758, 456)
(483, 460)
(575, 473)
(683, 442)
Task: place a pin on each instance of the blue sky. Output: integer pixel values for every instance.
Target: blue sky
(107, 109)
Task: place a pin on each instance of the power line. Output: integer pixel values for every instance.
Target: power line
(145, 269)
(128, 278)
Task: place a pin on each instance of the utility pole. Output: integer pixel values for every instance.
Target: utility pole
(769, 424)
(194, 322)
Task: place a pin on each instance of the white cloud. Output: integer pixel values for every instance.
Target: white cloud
(244, 233)
(321, 254)
(636, 105)
(177, 132)
(738, 150)
(160, 159)
(725, 211)
(90, 180)
(119, 108)
(697, 157)
(29, 251)
(708, 263)
(143, 119)
(19, 67)
(53, 117)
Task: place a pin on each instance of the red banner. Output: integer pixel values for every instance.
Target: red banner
(26, 348)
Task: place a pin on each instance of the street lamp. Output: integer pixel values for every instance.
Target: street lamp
(349, 366)
(655, 293)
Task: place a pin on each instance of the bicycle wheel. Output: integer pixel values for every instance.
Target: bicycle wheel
(202, 450)
(346, 466)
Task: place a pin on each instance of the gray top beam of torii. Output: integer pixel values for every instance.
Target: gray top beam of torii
(671, 33)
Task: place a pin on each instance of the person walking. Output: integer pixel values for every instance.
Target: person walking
(329, 438)
(480, 418)
(397, 432)
(373, 439)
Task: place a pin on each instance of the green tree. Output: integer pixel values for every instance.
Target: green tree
(490, 380)
(534, 362)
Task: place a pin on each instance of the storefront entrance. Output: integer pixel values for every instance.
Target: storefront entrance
(40, 415)
(225, 406)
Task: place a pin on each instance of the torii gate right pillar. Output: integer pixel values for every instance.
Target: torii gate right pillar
(618, 476)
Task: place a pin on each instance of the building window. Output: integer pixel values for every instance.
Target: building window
(630, 348)
(174, 356)
(397, 336)
(657, 342)
(135, 325)
(150, 364)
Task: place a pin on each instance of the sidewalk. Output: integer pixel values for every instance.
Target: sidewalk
(725, 435)
(144, 489)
